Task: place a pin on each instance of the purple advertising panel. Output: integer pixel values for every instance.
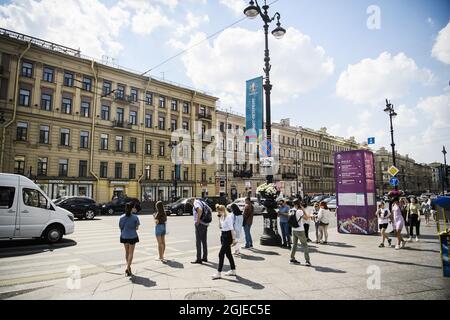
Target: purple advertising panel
(355, 192)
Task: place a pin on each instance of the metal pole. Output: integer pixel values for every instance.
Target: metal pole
(296, 160)
(444, 175)
(226, 154)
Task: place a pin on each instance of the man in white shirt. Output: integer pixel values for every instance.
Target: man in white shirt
(298, 232)
(201, 231)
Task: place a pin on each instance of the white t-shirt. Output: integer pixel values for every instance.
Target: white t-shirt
(383, 216)
(323, 216)
(299, 216)
(227, 223)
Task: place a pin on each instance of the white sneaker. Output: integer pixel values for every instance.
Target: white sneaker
(231, 273)
(397, 247)
(417, 238)
(216, 276)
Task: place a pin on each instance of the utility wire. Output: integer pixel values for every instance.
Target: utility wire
(198, 43)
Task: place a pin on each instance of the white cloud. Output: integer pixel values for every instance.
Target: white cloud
(88, 24)
(236, 55)
(237, 6)
(148, 19)
(438, 109)
(192, 23)
(370, 81)
(406, 117)
(441, 47)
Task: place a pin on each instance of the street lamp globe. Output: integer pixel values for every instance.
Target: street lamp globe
(279, 32)
(251, 11)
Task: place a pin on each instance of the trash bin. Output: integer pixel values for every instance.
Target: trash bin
(445, 240)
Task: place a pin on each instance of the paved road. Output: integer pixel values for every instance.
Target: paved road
(33, 270)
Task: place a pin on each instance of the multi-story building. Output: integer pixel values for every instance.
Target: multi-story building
(79, 127)
(413, 177)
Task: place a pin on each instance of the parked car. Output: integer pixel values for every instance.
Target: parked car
(258, 208)
(81, 207)
(332, 204)
(118, 205)
(27, 212)
(212, 201)
(179, 207)
(330, 198)
(319, 198)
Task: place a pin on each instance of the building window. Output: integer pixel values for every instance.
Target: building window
(162, 123)
(132, 171)
(46, 102)
(162, 102)
(119, 115)
(202, 110)
(64, 137)
(120, 92)
(118, 170)
(134, 94)
(222, 127)
(27, 69)
(42, 166)
(22, 131)
(186, 107)
(119, 143)
(44, 134)
(82, 169)
(161, 149)
(174, 105)
(84, 139)
(148, 120)
(203, 174)
(103, 169)
(24, 97)
(19, 164)
(149, 98)
(63, 167)
(148, 172)
(48, 74)
(104, 141)
(173, 125)
(133, 145)
(66, 106)
(68, 79)
(148, 147)
(186, 125)
(87, 83)
(84, 110)
(133, 117)
(105, 113)
(161, 172)
(186, 174)
(106, 88)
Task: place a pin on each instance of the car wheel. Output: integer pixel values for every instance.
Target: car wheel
(53, 234)
(180, 212)
(90, 214)
(110, 211)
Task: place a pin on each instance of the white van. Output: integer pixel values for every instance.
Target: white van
(27, 212)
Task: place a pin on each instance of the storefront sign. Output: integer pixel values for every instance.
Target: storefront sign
(119, 182)
(55, 181)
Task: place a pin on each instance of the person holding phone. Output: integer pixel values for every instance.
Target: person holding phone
(383, 214)
(160, 229)
(298, 232)
(129, 224)
(227, 239)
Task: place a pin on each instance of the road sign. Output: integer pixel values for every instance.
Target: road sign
(393, 182)
(267, 162)
(371, 140)
(393, 171)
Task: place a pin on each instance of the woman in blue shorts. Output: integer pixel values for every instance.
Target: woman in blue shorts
(129, 224)
(160, 229)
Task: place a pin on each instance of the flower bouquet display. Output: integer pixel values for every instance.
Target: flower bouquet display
(269, 194)
(394, 194)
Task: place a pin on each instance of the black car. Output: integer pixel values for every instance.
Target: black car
(118, 205)
(179, 207)
(212, 201)
(81, 207)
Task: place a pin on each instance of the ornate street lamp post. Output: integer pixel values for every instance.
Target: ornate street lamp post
(270, 236)
(390, 111)
(444, 175)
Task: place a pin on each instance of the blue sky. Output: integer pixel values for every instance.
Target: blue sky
(330, 70)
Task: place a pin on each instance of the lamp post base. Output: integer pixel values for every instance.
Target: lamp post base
(270, 235)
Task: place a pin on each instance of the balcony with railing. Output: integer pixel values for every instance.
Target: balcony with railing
(124, 125)
(205, 116)
(289, 176)
(242, 174)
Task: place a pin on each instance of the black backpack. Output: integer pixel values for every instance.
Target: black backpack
(206, 213)
(292, 219)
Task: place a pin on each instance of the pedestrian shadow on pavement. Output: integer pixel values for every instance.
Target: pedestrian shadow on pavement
(269, 253)
(146, 282)
(253, 258)
(421, 250)
(328, 270)
(23, 247)
(247, 282)
(339, 244)
(174, 264)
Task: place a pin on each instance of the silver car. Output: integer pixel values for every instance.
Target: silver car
(258, 208)
(332, 204)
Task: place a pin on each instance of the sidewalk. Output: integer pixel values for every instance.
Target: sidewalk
(339, 271)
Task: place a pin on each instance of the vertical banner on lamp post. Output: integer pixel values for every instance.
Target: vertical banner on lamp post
(254, 107)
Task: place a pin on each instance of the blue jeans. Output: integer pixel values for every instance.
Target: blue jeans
(248, 236)
(285, 233)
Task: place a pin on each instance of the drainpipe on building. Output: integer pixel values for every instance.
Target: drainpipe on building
(94, 112)
(13, 119)
(194, 94)
(143, 139)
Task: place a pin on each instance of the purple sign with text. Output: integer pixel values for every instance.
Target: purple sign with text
(355, 192)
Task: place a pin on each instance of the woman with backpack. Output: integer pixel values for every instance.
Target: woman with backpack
(324, 221)
(129, 224)
(238, 220)
(383, 214)
(297, 217)
(160, 229)
(227, 239)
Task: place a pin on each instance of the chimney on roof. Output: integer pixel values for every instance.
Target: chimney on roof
(285, 122)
